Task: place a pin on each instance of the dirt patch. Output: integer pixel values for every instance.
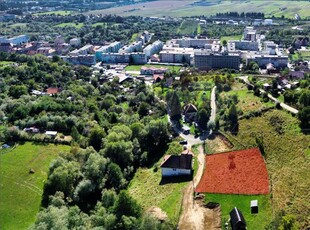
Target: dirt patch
(195, 216)
(236, 172)
(219, 144)
(157, 213)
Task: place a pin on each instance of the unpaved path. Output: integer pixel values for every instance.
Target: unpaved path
(194, 215)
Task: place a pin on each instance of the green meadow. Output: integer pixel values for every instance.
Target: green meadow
(21, 191)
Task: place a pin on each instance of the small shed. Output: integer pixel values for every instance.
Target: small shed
(237, 220)
(51, 133)
(254, 206)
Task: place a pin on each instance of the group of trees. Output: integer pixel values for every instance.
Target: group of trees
(252, 15)
(118, 131)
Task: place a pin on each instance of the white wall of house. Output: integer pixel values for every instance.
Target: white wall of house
(175, 172)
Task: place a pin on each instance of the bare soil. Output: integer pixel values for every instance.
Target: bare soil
(195, 216)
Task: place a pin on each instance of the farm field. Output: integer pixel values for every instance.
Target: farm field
(242, 202)
(138, 67)
(20, 191)
(236, 172)
(187, 8)
(287, 159)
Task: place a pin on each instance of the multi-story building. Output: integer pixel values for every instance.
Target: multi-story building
(178, 55)
(129, 58)
(111, 48)
(243, 45)
(192, 42)
(134, 47)
(153, 48)
(263, 60)
(249, 34)
(80, 59)
(16, 41)
(76, 42)
(138, 58)
(205, 60)
(82, 51)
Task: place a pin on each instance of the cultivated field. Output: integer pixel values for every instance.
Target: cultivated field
(187, 8)
(21, 191)
(236, 172)
(287, 160)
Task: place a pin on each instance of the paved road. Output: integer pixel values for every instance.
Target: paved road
(213, 105)
(283, 105)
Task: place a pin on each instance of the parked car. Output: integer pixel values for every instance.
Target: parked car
(183, 142)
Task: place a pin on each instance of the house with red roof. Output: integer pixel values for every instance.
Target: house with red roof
(177, 165)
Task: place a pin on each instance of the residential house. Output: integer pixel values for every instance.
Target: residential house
(177, 165)
(190, 112)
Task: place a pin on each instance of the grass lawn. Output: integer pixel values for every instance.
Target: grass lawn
(287, 160)
(59, 12)
(133, 37)
(71, 24)
(227, 38)
(305, 55)
(138, 67)
(21, 192)
(242, 202)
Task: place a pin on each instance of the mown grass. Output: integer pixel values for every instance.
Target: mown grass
(227, 38)
(242, 202)
(138, 67)
(287, 160)
(20, 191)
(71, 24)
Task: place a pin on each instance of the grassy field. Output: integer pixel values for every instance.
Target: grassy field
(287, 160)
(58, 12)
(305, 55)
(242, 202)
(188, 27)
(186, 8)
(71, 24)
(227, 38)
(138, 67)
(20, 191)
(145, 187)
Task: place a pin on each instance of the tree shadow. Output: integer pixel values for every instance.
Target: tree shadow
(176, 179)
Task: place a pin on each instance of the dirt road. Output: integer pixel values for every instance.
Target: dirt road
(194, 215)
